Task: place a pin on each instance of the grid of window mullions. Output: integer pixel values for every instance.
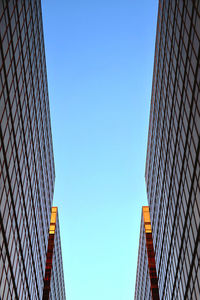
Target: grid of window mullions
(25, 119)
(157, 54)
(154, 129)
(2, 140)
(165, 109)
(148, 160)
(37, 74)
(154, 102)
(8, 209)
(33, 158)
(187, 234)
(154, 168)
(38, 79)
(186, 185)
(29, 146)
(35, 82)
(10, 287)
(186, 43)
(44, 84)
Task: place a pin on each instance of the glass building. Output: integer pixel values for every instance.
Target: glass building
(27, 171)
(173, 156)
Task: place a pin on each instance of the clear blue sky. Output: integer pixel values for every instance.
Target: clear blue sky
(100, 64)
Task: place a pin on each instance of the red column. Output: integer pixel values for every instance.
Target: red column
(48, 269)
(150, 253)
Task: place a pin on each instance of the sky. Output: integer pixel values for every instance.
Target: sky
(99, 58)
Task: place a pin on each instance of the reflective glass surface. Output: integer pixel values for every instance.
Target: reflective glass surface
(26, 154)
(173, 157)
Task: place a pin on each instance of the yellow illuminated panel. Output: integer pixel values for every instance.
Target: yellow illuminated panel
(53, 220)
(54, 209)
(147, 221)
(53, 217)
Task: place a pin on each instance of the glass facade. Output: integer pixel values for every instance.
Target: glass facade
(27, 172)
(173, 157)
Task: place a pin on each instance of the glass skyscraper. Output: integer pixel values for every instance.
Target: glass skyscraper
(173, 156)
(27, 171)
